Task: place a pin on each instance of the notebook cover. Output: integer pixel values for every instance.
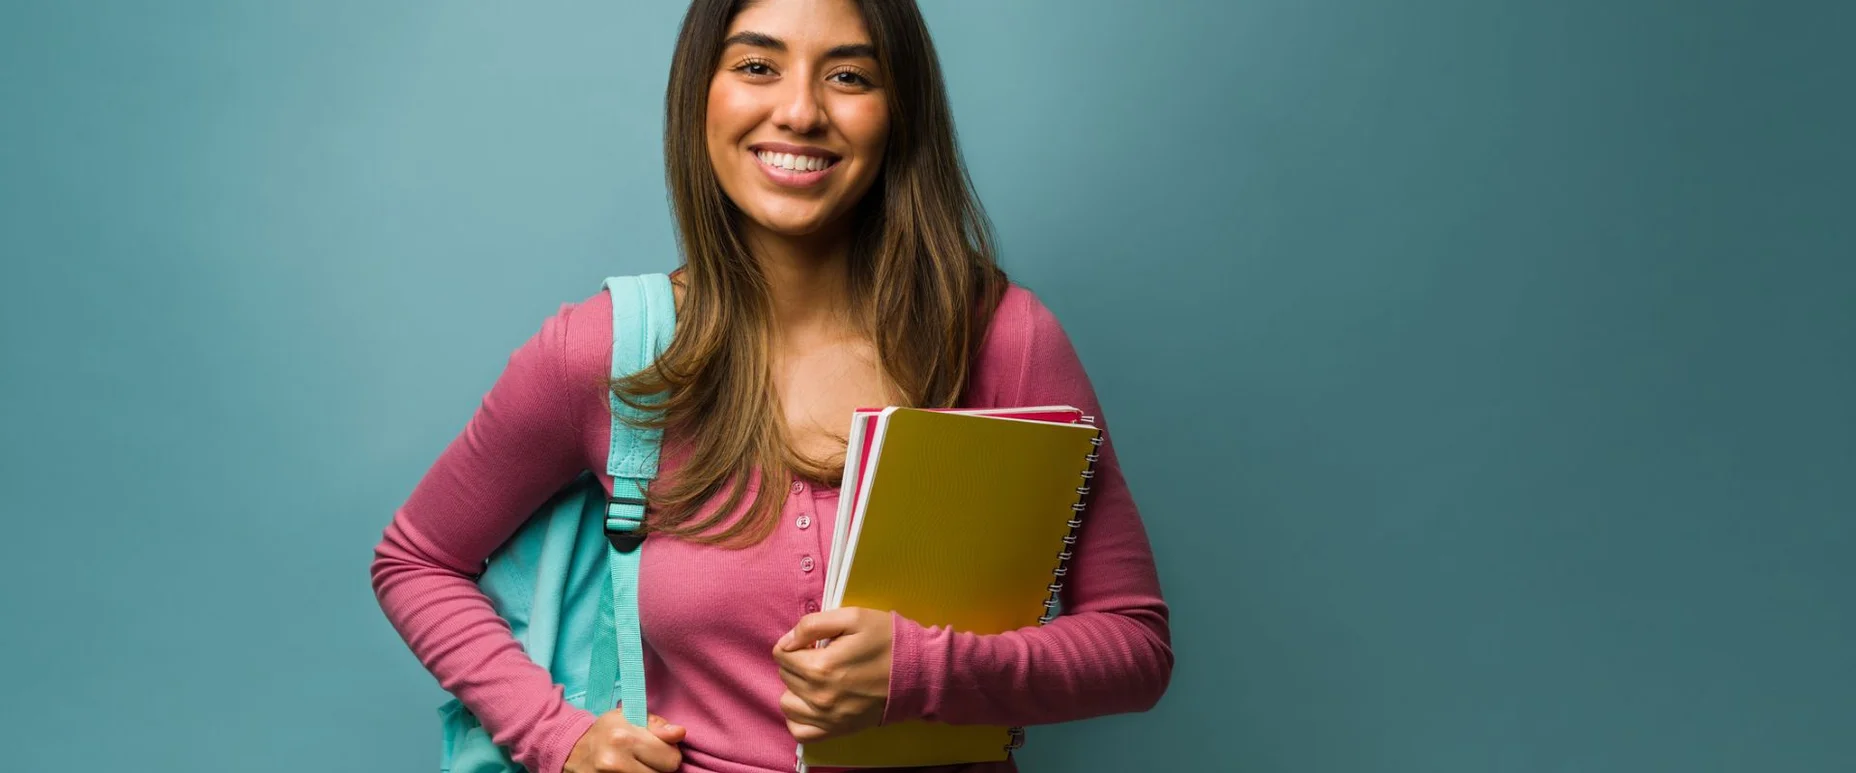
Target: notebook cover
(866, 420)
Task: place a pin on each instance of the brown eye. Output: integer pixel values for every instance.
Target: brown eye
(850, 78)
(754, 67)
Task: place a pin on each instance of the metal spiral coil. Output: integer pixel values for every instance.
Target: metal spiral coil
(1062, 570)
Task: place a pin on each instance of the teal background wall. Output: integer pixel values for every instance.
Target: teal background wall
(1484, 370)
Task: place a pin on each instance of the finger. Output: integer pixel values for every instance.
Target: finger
(819, 625)
(656, 754)
(813, 682)
(798, 709)
(665, 730)
(784, 656)
(805, 733)
(802, 668)
(793, 679)
(628, 765)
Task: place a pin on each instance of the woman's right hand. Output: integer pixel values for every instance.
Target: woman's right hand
(613, 745)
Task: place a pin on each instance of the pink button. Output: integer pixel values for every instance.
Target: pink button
(798, 487)
(806, 564)
(803, 522)
(811, 606)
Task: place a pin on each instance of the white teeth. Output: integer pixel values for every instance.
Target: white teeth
(791, 162)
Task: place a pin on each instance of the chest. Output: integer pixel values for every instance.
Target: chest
(697, 601)
(819, 385)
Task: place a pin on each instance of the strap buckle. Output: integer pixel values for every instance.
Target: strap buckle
(624, 530)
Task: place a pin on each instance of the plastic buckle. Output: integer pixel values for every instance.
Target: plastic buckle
(624, 540)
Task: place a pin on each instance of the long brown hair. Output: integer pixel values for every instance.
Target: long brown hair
(921, 264)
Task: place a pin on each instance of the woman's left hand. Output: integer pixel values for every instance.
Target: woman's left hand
(842, 687)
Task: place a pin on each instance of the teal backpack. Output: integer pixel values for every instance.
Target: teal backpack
(567, 581)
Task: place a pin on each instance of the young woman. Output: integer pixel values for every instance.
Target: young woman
(834, 257)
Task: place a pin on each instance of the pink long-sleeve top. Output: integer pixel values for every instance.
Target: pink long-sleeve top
(710, 616)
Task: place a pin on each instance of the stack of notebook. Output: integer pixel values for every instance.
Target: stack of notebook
(959, 519)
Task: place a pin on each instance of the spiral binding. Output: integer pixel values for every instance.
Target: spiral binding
(1064, 556)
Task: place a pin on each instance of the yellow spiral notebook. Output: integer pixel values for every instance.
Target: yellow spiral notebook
(956, 519)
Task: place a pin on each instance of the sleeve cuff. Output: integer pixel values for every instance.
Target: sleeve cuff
(555, 753)
(913, 666)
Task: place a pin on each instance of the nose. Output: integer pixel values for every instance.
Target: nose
(800, 111)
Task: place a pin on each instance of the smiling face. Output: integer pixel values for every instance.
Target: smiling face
(797, 120)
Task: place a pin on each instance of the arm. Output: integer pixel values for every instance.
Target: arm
(521, 446)
(1109, 652)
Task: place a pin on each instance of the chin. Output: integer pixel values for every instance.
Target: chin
(795, 224)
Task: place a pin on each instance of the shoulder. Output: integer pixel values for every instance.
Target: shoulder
(1021, 326)
(567, 360)
(584, 338)
(1023, 341)
(1020, 314)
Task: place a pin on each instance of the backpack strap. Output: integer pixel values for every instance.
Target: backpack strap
(643, 320)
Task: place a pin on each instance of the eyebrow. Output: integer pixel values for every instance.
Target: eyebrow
(763, 40)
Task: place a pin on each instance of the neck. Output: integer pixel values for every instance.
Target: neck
(807, 280)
